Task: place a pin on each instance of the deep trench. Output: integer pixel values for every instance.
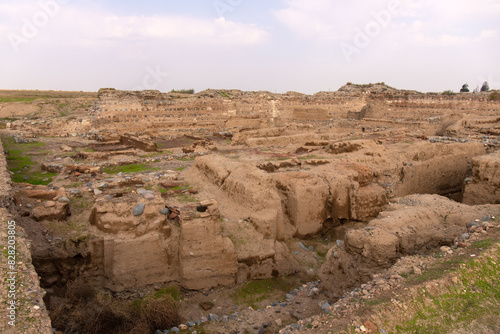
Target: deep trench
(59, 263)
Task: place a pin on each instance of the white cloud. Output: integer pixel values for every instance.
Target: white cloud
(81, 26)
(316, 19)
(447, 40)
(455, 22)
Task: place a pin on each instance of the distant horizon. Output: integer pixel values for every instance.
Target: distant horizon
(278, 46)
(228, 89)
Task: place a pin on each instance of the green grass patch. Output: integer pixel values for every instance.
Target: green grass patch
(182, 187)
(475, 299)
(42, 152)
(183, 198)
(251, 293)
(434, 272)
(224, 94)
(35, 177)
(169, 290)
(86, 149)
(151, 155)
(17, 99)
(483, 244)
(20, 163)
(133, 168)
(310, 157)
(180, 168)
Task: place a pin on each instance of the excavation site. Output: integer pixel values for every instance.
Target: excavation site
(363, 210)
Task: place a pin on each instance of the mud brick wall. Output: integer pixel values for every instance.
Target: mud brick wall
(155, 110)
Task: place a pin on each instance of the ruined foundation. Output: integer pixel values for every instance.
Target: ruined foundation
(212, 191)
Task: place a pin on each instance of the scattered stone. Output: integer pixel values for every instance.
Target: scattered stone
(445, 249)
(97, 192)
(165, 211)
(302, 246)
(469, 225)
(74, 191)
(139, 209)
(206, 305)
(63, 199)
(213, 317)
(372, 328)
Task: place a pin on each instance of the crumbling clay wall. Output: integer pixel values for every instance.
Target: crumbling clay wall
(22, 309)
(483, 186)
(407, 227)
(144, 145)
(140, 242)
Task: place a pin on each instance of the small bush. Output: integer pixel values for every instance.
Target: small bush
(183, 91)
(160, 312)
(494, 96)
(85, 312)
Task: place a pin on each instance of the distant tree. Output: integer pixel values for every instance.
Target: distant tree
(465, 88)
(476, 90)
(448, 92)
(485, 87)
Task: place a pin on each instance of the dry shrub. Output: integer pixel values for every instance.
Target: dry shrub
(160, 312)
(82, 311)
(78, 291)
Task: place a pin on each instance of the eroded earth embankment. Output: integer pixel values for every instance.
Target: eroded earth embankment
(22, 309)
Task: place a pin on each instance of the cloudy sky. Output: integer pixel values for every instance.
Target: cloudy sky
(280, 45)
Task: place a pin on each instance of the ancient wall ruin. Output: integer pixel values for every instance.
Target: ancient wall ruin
(221, 109)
